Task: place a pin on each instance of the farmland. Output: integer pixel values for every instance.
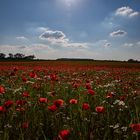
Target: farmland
(64, 100)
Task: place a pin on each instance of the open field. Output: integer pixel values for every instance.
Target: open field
(66, 100)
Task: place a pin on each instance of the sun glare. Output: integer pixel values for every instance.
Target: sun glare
(69, 3)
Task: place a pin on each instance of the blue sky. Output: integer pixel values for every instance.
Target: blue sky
(50, 29)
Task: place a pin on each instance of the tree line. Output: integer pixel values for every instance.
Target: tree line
(16, 56)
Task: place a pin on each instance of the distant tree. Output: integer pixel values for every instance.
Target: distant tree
(19, 56)
(2, 55)
(132, 60)
(16, 56)
(11, 56)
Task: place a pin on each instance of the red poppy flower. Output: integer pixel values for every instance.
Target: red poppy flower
(100, 109)
(25, 94)
(2, 109)
(52, 108)
(53, 77)
(73, 101)
(91, 92)
(85, 106)
(25, 125)
(33, 75)
(58, 102)
(15, 69)
(64, 134)
(24, 79)
(88, 86)
(21, 102)
(43, 100)
(8, 103)
(75, 85)
(2, 90)
(135, 127)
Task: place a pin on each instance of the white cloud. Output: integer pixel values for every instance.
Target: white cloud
(118, 33)
(129, 45)
(107, 45)
(103, 43)
(41, 29)
(126, 11)
(76, 45)
(23, 38)
(52, 35)
(58, 38)
(132, 45)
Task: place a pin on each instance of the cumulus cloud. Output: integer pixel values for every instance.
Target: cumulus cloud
(107, 45)
(103, 43)
(126, 11)
(118, 33)
(53, 36)
(58, 38)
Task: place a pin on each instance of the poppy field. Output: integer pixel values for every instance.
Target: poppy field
(56, 100)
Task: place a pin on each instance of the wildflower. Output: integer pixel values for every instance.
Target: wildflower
(25, 125)
(8, 103)
(52, 108)
(33, 75)
(43, 100)
(53, 77)
(64, 134)
(24, 79)
(73, 101)
(88, 86)
(15, 69)
(100, 109)
(21, 102)
(91, 92)
(2, 90)
(25, 94)
(58, 102)
(116, 102)
(2, 109)
(85, 106)
(121, 103)
(135, 127)
(75, 85)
